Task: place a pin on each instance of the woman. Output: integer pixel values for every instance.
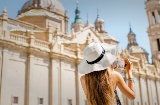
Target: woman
(100, 80)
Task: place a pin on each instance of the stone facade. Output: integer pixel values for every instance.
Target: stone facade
(39, 60)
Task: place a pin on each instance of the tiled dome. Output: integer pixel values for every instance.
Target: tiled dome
(45, 4)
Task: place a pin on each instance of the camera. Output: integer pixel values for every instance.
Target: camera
(119, 65)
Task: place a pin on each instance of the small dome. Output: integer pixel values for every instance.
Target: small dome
(48, 4)
(99, 19)
(137, 49)
(27, 5)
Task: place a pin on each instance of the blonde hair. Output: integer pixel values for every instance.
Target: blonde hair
(99, 88)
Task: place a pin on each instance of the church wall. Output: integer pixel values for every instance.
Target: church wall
(1, 64)
(53, 24)
(144, 91)
(36, 20)
(39, 80)
(138, 90)
(149, 91)
(68, 84)
(13, 77)
(153, 92)
(56, 82)
(158, 91)
(82, 96)
(41, 36)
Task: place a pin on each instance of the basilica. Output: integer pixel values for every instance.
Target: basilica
(39, 58)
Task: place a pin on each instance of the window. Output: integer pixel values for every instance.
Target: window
(15, 100)
(40, 101)
(69, 102)
(158, 44)
(153, 18)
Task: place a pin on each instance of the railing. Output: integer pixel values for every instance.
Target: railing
(41, 43)
(19, 38)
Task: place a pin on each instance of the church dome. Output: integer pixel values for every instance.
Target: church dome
(48, 4)
(137, 49)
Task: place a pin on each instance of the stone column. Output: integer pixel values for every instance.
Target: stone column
(156, 16)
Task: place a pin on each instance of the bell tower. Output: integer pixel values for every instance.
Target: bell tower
(153, 13)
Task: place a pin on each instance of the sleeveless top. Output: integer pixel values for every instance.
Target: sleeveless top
(117, 98)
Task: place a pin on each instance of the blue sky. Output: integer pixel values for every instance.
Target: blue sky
(117, 15)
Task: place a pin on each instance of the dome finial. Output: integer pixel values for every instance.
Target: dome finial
(97, 12)
(130, 27)
(77, 3)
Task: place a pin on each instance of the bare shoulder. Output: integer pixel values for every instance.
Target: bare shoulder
(82, 77)
(116, 76)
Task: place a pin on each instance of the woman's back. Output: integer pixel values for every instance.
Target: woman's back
(100, 87)
(100, 79)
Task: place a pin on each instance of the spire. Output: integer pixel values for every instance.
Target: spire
(87, 24)
(98, 12)
(77, 14)
(130, 29)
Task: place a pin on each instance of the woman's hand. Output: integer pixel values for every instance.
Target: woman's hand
(129, 65)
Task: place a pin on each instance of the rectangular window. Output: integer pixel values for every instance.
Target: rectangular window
(158, 44)
(15, 100)
(40, 101)
(69, 102)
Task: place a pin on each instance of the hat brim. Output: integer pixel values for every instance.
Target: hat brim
(108, 59)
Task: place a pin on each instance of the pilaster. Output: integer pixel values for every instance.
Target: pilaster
(27, 78)
(77, 75)
(4, 63)
(140, 89)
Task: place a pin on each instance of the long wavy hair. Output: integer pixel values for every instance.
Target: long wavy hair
(99, 88)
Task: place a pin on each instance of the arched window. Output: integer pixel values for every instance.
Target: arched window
(153, 18)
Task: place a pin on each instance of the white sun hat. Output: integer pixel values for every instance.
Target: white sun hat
(97, 57)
